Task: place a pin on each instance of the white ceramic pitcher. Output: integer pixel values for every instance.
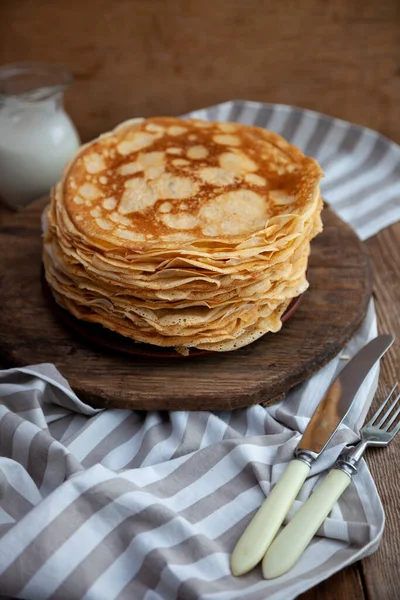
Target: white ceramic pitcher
(37, 137)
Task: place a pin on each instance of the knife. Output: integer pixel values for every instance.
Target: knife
(291, 542)
(326, 419)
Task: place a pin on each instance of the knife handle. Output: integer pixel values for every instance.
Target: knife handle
(289, 545)
(254, 542)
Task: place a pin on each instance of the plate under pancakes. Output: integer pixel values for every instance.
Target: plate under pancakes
(183, 233)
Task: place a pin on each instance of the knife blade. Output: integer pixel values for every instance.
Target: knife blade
(338, 399)
(325, 421)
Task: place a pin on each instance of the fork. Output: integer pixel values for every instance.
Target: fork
(289, 545)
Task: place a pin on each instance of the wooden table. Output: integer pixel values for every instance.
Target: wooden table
(136, 57)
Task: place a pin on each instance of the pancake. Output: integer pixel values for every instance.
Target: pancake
(155, 183)
(183, 233)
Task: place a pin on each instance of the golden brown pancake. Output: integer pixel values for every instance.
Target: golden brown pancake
(183, 233)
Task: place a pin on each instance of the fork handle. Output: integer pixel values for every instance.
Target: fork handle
(289, 545)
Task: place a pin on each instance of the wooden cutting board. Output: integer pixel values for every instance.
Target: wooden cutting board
(31, 332)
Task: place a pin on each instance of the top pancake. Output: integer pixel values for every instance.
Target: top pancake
(159, 182)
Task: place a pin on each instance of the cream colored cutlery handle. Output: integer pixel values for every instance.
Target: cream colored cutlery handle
(254, 542)
(289, 545)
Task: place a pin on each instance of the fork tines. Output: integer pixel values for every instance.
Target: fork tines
(373, 422)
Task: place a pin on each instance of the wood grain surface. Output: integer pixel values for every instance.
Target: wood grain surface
(147, 57)
(31, 332)
(136, 57)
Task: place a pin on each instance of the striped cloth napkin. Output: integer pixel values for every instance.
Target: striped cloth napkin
(115, 504)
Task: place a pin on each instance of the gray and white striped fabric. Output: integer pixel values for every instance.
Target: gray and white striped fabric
(129, 505)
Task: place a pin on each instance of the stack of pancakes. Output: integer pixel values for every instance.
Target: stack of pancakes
(183, 233)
